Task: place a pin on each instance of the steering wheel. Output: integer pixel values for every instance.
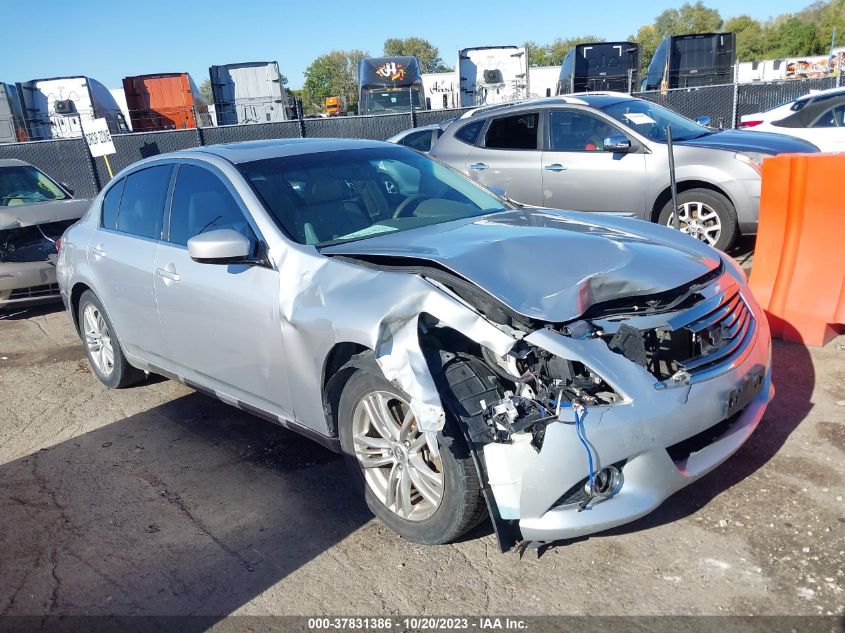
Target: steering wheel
(403, 209)
(391, 187)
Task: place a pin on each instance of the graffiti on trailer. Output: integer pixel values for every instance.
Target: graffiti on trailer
(391, 71)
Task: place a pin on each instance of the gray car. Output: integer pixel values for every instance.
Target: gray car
(566, 372)
(607, 152)
(34, 212)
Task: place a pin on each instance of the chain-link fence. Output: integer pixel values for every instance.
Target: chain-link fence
(67, 160)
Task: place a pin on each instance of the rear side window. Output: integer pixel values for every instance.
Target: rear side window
(469, 133)
(111, 202)
(513, 132)
(831, 118)
(201, 202)
(143, 202)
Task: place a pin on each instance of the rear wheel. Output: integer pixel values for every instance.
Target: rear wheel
(423, 498)
(705, 215)
(102, 345)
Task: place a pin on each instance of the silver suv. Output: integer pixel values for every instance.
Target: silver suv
(566, 371)
(607, 152)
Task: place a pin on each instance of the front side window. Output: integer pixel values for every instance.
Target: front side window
(420, 141)
(143, 201)
(831, 118)
(513, 132)
(201, 203)
(24, 184)
(573, 131)
(332, 197)
(651, 120)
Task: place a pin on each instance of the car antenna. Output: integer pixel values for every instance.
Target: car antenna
(673, 185)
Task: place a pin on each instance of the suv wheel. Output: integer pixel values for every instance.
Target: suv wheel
(705, 215)
(424, 499)
(102, 346)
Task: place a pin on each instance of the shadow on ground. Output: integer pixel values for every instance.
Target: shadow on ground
(189, 508)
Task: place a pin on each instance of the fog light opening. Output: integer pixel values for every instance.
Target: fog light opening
(606, 483)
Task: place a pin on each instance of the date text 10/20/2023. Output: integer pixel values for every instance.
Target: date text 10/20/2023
(483, 623)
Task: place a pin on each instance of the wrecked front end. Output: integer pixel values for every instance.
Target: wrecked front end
(589, 424)
(29, 238)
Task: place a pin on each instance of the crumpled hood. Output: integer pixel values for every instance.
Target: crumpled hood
(551, 265)
(41, 213)
(751, 141)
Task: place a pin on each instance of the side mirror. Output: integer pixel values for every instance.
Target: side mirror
(703, 120)
(498, 191)
(617, 143)
(66, 187)
(223, 246)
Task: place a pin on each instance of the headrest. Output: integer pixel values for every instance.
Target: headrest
(327, 190)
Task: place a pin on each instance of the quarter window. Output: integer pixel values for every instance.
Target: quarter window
(469, 133)
(513, 132)
(111, 203)
(572, 131)
(143, 202)
(201, 202)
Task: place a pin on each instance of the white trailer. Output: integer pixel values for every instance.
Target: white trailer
(543, 80)
(56, 107)
(811, 66)
(441, 90)
(249, 92)
(492, 74)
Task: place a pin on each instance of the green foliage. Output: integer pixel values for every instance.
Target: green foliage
(690, 18)
(330, 75)
(205, 91)
(750, 39)
(552, 54)
(426, 53)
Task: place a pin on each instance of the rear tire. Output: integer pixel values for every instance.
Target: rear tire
(102, 347)
(461, 504)
(706, 215)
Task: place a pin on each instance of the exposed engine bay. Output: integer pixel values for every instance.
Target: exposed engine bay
(35, 243)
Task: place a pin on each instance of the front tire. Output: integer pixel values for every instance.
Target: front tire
(706, 215)
(102, 345)
(423, 499)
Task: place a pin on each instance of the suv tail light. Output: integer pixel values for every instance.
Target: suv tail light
(749, 123)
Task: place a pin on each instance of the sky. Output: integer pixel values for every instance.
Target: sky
(111, 40)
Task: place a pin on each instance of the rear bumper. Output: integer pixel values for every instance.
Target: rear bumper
(27, 283)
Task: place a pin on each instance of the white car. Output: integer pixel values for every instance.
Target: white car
(818, 117)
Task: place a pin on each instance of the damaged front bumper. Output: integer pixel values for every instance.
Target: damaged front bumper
(25, 283)
(661, 436)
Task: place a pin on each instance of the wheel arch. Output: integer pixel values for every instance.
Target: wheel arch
(685, 185)
(336, 373)
(75, 295)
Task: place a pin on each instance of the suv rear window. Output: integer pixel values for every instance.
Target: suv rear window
(469, 132)
(513, 132)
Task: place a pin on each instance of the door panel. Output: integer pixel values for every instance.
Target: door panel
(220, 322)
(578, 175)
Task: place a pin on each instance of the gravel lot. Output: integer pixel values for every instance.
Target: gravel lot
(159, 500)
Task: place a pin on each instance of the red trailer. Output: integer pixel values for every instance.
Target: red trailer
(166, 101)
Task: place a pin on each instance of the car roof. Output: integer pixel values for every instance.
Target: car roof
(275, 148)
(11, 162)
(591, 99)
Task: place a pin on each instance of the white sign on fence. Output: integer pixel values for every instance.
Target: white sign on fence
(98, 137)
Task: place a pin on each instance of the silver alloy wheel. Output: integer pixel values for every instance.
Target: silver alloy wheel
(699, 220)
(395, 457)
(98, 339)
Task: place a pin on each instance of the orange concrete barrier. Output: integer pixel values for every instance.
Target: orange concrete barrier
(798, 276)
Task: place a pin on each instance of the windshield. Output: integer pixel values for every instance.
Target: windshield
(24, 184)
(333, 197)
(391, 99)
(650, 120)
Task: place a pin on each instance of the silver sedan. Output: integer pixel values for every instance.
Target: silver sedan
(564, 372)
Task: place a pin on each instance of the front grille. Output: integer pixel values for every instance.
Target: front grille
(35, 292)
(717, 328)
(683, 449)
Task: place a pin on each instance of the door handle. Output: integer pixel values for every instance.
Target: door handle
(555, 167)
(98, 250)
(168, 274)
(478, 166)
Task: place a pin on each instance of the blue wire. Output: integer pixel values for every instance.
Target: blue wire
(579, 430)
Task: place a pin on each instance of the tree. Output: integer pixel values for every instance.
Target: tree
(795, 37)
(750, 41)
(426, 53)
(205, 91)
(690, 18)
(330, 75)
(552, 54)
